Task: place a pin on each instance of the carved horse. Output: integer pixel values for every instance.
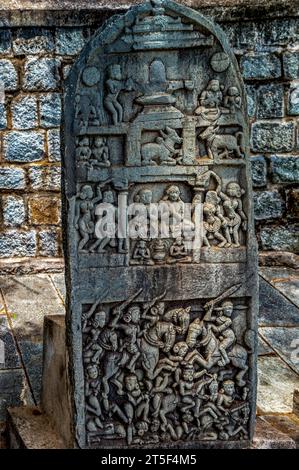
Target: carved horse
(160, 336)
(209, 346)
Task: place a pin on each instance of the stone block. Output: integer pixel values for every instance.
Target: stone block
(291, 65)
(260, 66)
(293, 203)
(24, 146)
(293, 100)
(53, 142)
(268, 205)
(47, 178)
(50, 110)
(13, 211)
(269, 437)
(41, 74)
(69, 41)
(55, 382)
(258, 171)
(24, 112)
(270, 136)
(285, 342)
(270, 101)
(280, 238)
(33, 41)
(275, 308)
(9, 75)
(284, 169)
(5, 41)
(49, 243)
(251, 100)
(3, 116)
(17, 244)
(44, 210)
(12, 178)
(32, 353)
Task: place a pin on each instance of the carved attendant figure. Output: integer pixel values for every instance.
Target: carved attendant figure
(233, 211)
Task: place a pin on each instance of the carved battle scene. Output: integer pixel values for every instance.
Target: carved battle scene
(156, 119)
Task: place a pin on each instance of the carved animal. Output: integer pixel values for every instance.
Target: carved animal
(162, 151)
(223, 145)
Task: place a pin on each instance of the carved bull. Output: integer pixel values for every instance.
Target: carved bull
(163, 150)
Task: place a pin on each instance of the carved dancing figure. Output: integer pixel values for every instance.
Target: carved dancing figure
(233, 212)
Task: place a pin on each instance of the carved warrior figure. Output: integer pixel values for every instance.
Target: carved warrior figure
(168, 372)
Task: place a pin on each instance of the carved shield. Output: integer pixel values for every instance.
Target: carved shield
(161, 264)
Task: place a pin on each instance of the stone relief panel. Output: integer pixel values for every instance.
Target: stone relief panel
(156, 139)
(162, 371)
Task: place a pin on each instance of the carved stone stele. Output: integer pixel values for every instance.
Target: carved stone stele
(161, 329)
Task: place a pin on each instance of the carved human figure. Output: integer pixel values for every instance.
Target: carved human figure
(131, 330)
(189, 389)
(222, 326)
(212, 96)
(173, 208)
(92, 348)
(83, 151)
(226, 395)
(114, 85)
(212, 226)
(100, 153)
(141, 254)
(233, 213)
(92, 390)
(85, 110)
(233, 99)
(83, 215)
(178, 252)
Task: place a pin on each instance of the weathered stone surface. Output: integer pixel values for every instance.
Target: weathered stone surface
(284, 169)
(258, 171)
(273, 136)
(293, 100)
(46, 178)
(251, 100)
(275, 389)
(5, 41)
(33, 41)
(24, 112)
(279, 258)
(291, 65)
(283, 238)
(12, 178)
(288, 424)
(293, 203)
(50, 110)
(29, 429)
(275, 308)
(55, 376)
(14, 243)
(3, 116)
(285, 342)
(260, 66)
(49, 243)
(24, 146)
(12, 388)
(59, 283)
(69, 41)
(269, 437)
(285, 280)
(40, 74)
(270, 101)
(32, 353)
(27, 298)
(8, 74)
(268, 205)
(44, 210)
(53, 142)
(143, 129)
(9, 357)
(14, 211)
(263, 348)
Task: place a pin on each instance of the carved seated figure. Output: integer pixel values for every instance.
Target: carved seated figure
(141, 254)
(100, 153)
(210, 101)
(178, 252)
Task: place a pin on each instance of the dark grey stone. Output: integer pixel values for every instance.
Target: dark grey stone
(285, 342)
(69, 41)
(260, 66)
(32, 40)
(24, 146)
(280, 238)
(270, 136)
(40, 74)
(11, 388)
(50, 110)
(270, 101)
(275, 308)
(46, 178)
(24, 112)
(284, 169)
(12, 178)
(15, 243)
(53, 141)
(293, 100)
(258, 171)
(9, 75)
(13, 210)
(3, 116)
(9, 357)
(49, 243)
(291, 65)
(32, 353)
(268, 205)
(5, 41)
(251, 100)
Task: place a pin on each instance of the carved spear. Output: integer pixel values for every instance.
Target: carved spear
(211, 304)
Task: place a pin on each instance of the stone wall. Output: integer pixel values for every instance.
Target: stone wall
(36, 52)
